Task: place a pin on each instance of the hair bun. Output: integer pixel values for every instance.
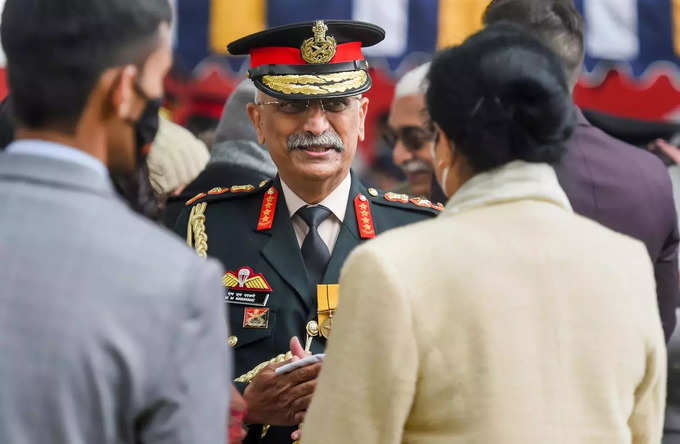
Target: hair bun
(510, 99)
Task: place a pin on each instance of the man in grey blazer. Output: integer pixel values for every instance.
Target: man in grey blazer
(111, 330)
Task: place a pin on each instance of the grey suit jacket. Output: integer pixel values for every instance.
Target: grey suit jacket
(111, 330)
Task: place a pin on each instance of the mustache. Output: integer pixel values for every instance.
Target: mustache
(329, 138)
(416, 166)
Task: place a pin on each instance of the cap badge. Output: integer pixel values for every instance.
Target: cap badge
(320, 48)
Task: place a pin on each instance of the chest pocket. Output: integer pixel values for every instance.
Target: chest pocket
(250, 324)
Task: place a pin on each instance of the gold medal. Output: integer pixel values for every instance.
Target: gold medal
(326, 327)
(327, 302)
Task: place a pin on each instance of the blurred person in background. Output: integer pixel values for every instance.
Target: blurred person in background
(411, 138)
(621, 187)
(111, 331)
(236, 157)
(495, 333)
(670, 153)
(176, 158)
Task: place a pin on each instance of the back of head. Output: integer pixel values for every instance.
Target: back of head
(557, 23)
(501, 96)
(57, 51)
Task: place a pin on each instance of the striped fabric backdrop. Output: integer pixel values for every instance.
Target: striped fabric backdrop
(641, 36)
(636, 34)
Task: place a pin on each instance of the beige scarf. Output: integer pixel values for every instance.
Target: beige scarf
(512, 182)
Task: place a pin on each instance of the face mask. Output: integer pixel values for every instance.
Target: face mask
(135, 187)
(146, 127)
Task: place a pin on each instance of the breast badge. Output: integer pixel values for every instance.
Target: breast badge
(255, 317)
(245, 287)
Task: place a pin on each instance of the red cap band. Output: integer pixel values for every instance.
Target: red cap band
(283, 55)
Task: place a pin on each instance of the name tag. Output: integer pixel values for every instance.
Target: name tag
(241, 297)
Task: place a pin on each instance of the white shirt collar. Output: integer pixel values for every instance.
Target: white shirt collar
(336, 201)
(53, 150)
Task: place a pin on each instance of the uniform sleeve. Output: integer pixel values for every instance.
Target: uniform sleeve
(368, 381)
(193, 397)
(647, 418)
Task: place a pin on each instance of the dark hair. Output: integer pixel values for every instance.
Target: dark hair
(57, 50)
(501, 96)
(135, 188)
(6, 124)
(557, 23)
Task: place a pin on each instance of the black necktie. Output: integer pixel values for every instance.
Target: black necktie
(314, 250)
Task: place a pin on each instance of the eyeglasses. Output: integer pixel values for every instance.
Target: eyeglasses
(412, 137)
(333, 105)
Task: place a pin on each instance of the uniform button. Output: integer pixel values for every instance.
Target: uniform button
(232, 341)
(373, 192)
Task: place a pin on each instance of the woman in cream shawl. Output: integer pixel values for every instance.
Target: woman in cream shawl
(508, 319)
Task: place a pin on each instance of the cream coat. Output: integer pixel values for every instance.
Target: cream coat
(508, 319)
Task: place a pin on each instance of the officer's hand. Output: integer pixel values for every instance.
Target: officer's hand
(296, 349)
(280, 399)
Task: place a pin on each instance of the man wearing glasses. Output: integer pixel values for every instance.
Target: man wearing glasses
(411, 136)
(283, 241)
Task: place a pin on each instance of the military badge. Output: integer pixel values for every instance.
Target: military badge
(242, 188)
(195, 198)
(421, 202)
(218, 190)
(255, 317)
(394, 197)
(320, 48)
(245, 287)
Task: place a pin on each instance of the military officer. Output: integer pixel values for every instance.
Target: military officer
(283, 241)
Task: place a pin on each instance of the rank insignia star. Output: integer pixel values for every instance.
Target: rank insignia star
(364, 217)
(268, 211)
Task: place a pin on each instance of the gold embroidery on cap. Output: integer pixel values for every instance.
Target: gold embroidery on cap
(316, 84)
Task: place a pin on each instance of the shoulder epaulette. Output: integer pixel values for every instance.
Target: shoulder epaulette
(221, 193)
(404, 201)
